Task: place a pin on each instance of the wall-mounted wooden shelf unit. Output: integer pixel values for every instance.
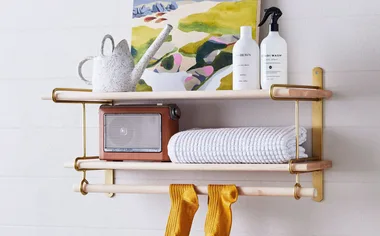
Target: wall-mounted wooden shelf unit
(296, 93)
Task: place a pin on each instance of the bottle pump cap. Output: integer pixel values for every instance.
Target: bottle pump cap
(276, 15)
(246, 31)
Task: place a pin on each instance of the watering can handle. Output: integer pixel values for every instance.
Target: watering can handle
(103, 42)
(88, 82)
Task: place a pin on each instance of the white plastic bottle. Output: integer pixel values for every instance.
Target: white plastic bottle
(246, 61)
(274, 53)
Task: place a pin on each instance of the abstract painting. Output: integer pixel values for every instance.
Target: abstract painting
(197, 55)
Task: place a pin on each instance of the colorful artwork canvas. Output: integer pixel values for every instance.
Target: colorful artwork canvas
(197, 55)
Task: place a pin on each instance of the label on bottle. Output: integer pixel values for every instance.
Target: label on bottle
(245, 71)
(243, 68)
(274, 67)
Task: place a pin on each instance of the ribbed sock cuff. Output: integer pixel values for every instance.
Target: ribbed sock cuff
(184, 205)
(219, 215)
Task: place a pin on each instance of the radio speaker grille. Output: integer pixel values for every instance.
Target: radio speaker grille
(132, 133)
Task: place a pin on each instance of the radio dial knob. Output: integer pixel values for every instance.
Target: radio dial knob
(176, 113)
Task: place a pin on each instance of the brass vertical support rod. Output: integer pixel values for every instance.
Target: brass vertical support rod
(297, 186)
(84, 133)
(84, 130)
(317, 134)
(297, 119)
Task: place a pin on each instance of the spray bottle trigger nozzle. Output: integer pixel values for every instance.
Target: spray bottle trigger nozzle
(276, 15)
(267, 14)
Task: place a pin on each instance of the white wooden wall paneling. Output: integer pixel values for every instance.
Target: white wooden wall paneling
(41, 43)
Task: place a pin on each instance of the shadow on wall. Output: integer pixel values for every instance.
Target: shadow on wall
(215, 114)
(198, 114)
(351, 90)
(352, 152)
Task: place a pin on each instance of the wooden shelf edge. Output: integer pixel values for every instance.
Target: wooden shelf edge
(67, 96)
(162, 166)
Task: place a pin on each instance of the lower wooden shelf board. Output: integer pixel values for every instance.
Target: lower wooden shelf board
(308, 166)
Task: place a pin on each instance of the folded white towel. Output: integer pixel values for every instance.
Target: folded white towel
(236, 145)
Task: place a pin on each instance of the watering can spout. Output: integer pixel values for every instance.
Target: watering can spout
(144, 61)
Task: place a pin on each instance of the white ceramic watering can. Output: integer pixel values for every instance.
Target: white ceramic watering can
(117, 72)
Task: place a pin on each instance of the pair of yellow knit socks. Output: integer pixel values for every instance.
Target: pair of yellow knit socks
(185, 204)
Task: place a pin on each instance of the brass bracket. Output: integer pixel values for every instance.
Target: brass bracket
(317, 134)
(56, 90)
(109, 174)
(110, 179)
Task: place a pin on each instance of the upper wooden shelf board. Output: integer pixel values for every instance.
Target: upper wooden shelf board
(309, 166)
(65, 95)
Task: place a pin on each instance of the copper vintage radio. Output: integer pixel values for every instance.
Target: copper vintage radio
(138, 133)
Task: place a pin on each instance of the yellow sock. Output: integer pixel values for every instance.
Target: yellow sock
(219, 215)
(184, 202)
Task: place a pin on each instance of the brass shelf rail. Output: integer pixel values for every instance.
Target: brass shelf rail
(277, 92)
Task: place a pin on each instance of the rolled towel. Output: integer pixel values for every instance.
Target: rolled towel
(236, 145)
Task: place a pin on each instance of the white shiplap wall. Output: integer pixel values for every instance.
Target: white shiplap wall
(42, 41)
